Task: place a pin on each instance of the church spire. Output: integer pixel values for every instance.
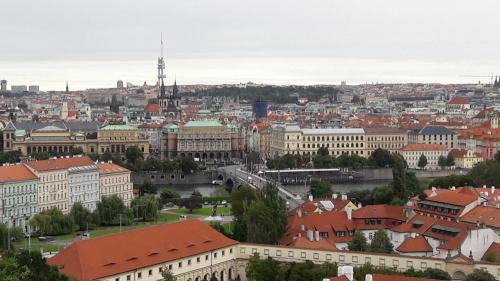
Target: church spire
(67, 88)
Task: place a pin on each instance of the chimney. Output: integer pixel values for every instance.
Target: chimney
(349, 213)
(310, 235)
(360, 205)
(493, 190)
(316, 235)
(346, 271)
(453, 188)
(302, 227)
(484, 186)
(344, 197)
(310, 197)
(299, 213)
(335, 195)
(369, 277)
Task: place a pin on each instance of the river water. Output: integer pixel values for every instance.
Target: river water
(207, 189)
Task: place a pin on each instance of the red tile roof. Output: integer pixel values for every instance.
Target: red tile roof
(122, 252)
(423, 147)
(110, 168)
(15, 173)
(484, 215)
(339, 278)
(414, 245)
(152, 108)
(459, 100)
(60, 163)
(456, 198)
(322, 244)
(379, 211)
(494, 248)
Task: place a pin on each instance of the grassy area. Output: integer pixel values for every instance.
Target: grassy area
(62, 241)
(203, 211)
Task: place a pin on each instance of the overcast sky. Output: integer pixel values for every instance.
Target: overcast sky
(130, 29)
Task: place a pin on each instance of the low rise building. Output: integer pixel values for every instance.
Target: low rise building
(83, 185)
(465, 159)
(412, 153)
(391, 139)
(440, 135)
(18, 195)
(115, 180)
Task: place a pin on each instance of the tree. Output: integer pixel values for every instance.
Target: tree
(10, 157)
(112, 211)
(53, 222)
(399, 176)
(486, 173)
(28, 266)
(358, 242)
(44, 155)
(422, 161)
(82, 217)
(435, 273)
(194, 201)
(381, 242)
(452, 180)
(321, 189)
(241, 200)
(497, 156)
(145, 208)
(322, 159)
(133, 153)
(480, 275)
(147, 188)
(450, 160)
(220, 228)
(76, 151)
(267, 217)
(268, 269)
(381, 158)
(442, 161)
(167, 274)
(169, 196)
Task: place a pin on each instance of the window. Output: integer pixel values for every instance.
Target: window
(169, 267)
(128, 278)
(243, 251)
(189, 262)
(180, 264)
(303, 255)
(139, 275)
(197, 259)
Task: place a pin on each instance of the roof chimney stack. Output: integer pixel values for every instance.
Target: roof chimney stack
(493, 190)
(310, 197)
(316, 235)
(348, 211)
(369, 277)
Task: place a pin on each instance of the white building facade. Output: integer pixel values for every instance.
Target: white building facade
(83, 183)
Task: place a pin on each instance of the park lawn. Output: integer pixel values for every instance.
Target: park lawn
(207, 211)
(62, 241)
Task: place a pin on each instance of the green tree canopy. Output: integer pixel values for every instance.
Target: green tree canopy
(381, 242)
(133, 153)
(381, 158)
(82, 217)
(486, 173)
(267, 217)
(145, 208)
(194, 201)
(452, 180)
(480, 275)
(28, 266)
(358, 242)
(422, 161)
(53, 222)
(168, 195)
(111, 210)
(321, 189)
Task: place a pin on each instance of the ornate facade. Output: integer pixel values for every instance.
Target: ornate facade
(203, 140)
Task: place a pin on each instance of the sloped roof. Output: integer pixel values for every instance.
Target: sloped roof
(110, 168)
(414, 245)
(60, 163)
(152, 108)
(126, 251)
(423, 147)
(15, 173)
(436, 130)
(322, 244)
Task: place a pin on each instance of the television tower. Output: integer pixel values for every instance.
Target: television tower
(161, 64)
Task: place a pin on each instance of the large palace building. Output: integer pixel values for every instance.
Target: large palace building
(60, 137)
(205, 140)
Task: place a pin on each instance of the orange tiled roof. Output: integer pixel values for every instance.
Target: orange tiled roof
(487, 215)
(15, 173)
(456, 198)
(379, 212)
(122, 252)
(418, 224)
(423, 147)
(459, 100)
(494, 248)
(152, 108)
(414, 245)
(60, 163)
(322, 244)
(110, 168)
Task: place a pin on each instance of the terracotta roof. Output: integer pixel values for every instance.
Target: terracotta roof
(494, 248)
(339, 278)
(414, 245)
(456, 198)
(423, 147)
(322, 244)
(152, 108)
(60, 163)
(122, 252)
(417, 224)
(379, 211)
(383, 277)
(487, 215)
(110, 168)
(16, 173)
(459, 100)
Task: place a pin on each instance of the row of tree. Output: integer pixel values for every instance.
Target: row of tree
(272, 270)
(111, 211)
(28, 266)
(381, 243)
